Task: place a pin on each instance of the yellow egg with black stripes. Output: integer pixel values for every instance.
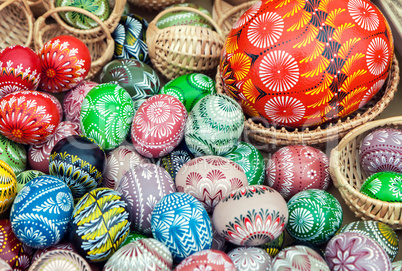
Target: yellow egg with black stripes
(8, 186)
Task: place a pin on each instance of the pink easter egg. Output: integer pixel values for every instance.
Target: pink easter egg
(209, 259)
(73, 100)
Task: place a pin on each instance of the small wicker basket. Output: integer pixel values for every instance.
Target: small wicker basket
(155, 4)
(37, 7)
(183, 49)
(348, 176)
(16, 24)
(101, 51)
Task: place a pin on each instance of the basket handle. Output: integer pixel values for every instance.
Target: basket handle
(234, 10)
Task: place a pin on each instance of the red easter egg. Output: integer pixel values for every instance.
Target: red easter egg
(295, 168)
(20, 69)
(73, 100)
(209, 259)
(28, 117)
(65, 62)
(304, 63)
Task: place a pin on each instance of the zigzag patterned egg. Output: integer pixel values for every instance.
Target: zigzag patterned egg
(8, 186)
(13, 154)
(304, 63)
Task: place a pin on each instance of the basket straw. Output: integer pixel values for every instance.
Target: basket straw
(155, 4)
(348, 176)
(37, 7)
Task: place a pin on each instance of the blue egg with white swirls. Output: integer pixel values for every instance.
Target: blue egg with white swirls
(41, 212)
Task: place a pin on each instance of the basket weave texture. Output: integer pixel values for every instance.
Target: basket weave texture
(155, 4)
(348, 176)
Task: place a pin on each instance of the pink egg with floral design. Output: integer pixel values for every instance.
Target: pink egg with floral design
(39, 154)
(20, 69)
(73, 100)
(209, 259)
(210, 179)
(158, 125)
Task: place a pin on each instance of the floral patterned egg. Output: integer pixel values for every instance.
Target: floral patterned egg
(133, 236)
(273, 247)
(100, 8)
(65, 61)
(129, 38)
(251, 215)
(298, 258)
(158, 126)
(26, 176)
(73, 100)
(56, 101)
(145, 254)
(214, 125)
(138, 78)
(314, 216)
(357, 250)
(208, 259)
(60, 259)
(181, 223)
(8, 186)
(99, 224)
(189, 88)
(250, 258)
(295, 168)
(41, 212)
(143, 186)
(39, 154)
(118, 162)
(20, 69)
(301, 64)
(106, 115)
(37, 117)
(13, 154)
(381, 150)
(210, 179)
(385, 186)
(380, 232)
(250, 159)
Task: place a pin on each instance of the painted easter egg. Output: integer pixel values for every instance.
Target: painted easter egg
(273, 247)
(359, 250)
(214, 125)
(133, 236)
(41, 212)
(60, 259)
(144, 254)
(73, 100)
(173, 161)
(208, 259)
(56, 102)
(26, 176)
(314, 216)
(380, 232)
(62, 245)
(39, 154)
(190, 88)
(13, 154)
(143, 186)
(106, 115)
(37, 117)
(300, 65)
(397, 266)
(250, 258)
(100, 8)
(79, 162)
(381, 150)
(385, 186)
(130, 38)
(65, 61)
(296, 168)
(158, 126)
(138, 78)
(299, 258)
(118, 162)
(4, 266)
(181, 223)
(210, 179)
(218, 242)
(104, 214)
(20, 69)
(250, 159)
(8, 186)
(251, 215)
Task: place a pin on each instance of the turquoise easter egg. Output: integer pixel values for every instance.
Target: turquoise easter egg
(385, 186)
(13, 153)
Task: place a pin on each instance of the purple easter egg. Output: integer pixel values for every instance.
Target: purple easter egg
(73, 100)
(143, 186)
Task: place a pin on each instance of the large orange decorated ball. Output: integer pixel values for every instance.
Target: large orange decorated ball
(301, 63)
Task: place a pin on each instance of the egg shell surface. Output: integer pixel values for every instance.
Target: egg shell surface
(13, 154)
(384, 186)
(299, 258)
(208, 259)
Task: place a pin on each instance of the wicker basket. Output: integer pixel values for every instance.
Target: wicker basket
(260, 132)
(37, 7)
(97, 33)
(101, 51)
(155, 4)
(16, 24)
(183, 49)
(348, 176)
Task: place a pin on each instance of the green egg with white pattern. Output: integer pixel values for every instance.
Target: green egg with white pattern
(26, 176)
(14, 154)
(384, 186)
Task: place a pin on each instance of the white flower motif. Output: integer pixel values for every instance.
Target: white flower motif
(312, 174)
(377, 56)
(363, 14)
(265, 30)
(284, 109)
(64, 201)
(30, 236)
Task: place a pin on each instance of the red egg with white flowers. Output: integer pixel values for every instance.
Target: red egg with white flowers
(28, 117)
(20, 69)
(65, 61)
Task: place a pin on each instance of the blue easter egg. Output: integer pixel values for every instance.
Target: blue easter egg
(41, 212)
(182, 224)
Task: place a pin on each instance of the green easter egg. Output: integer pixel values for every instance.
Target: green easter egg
(14, 154)
(26, 176)
(384, 186)
(132, 237)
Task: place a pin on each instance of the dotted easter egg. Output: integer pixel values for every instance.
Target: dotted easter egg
(250, 258)
(214, 125)
(385, 186)
(73, 100)
(26, 176)
(104, 214)
(314, 216)
(13, 154)
(307, 63)
(8, 186)
(106, 115)
(208, 259)
(41, 212)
